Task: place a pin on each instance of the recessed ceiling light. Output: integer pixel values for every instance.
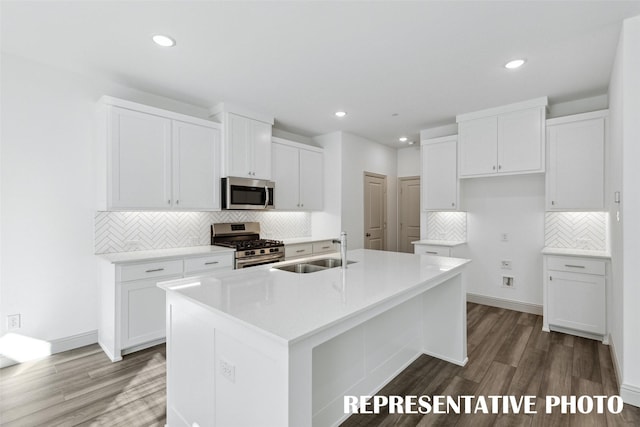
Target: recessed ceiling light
(340, 113)
(164, 41)
(516, 63)
(403, 139)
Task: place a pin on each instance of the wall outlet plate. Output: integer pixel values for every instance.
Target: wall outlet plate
(504, 237)
(228, 370)
(13, 321)
(507, 282)
(505, 264)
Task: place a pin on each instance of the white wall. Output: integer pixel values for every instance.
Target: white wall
(409, 161)
(329, 222)
(360, 155)
(496, 205)
(48, 273)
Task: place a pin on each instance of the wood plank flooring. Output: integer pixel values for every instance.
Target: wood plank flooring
(508, 354)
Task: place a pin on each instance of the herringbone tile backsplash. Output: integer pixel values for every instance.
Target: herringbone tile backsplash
(133, 231)
(579, 230)
(450, 226)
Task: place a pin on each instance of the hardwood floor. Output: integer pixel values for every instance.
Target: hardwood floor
(508, 354)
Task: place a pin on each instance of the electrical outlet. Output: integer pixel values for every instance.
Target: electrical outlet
(228, 370)
(13, 321)
(507, 282)
(505, 264)
(504, 237)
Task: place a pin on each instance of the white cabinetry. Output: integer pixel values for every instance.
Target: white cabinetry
(439, 183)
(298, 174)
(304, 249)
(575, 166)
(148, 158)
(575, 296)
(133, 307)
(423, 249)
(246, 142)
(502, 141)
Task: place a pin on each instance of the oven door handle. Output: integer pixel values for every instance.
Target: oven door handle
(266, 194)
(261, 260)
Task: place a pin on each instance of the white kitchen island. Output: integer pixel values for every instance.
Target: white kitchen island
(266, 347)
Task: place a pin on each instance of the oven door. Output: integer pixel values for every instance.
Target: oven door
(261, 260)
(246, 193)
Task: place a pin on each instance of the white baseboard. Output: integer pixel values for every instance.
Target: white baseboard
(630, 394)
(523, 307)
(61, 344)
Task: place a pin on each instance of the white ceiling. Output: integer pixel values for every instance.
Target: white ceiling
(301, 61)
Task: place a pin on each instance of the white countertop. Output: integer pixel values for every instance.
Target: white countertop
(576, 252)
(153, 254)
(449, 243)
(296, 240)
(291, 306)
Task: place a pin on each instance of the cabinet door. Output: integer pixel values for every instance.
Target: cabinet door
(286, 176)
(576, 301)
(520, 141)
(575, 176)
(311, 179)
(196, 166)
(478, 146)
(440, 178)
(261, 150)
(142, 311)
(140, 160)
(238, 146)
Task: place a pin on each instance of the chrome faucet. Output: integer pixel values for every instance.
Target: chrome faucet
(343, 248)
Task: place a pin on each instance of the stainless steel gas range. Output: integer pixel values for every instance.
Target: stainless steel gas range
(244, 237)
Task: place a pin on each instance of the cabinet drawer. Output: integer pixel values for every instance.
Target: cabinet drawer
(292, 251)
(209, 262)
(324, 246)
(432, 250)
(150, 269)
(576, 265)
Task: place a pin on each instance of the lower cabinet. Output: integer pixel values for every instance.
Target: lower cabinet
(132, 306)
(575, 296)
(431, 250)
(298, 250)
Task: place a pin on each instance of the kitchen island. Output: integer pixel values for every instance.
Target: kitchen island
(266, 347)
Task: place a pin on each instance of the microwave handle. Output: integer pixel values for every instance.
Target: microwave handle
(266, 193)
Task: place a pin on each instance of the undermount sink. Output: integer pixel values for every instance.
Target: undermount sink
(313, 266)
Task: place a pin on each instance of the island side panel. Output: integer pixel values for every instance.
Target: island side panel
(220, 372)
(445, 321)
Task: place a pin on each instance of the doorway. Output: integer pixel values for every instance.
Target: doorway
(408, 212)
(375, 211)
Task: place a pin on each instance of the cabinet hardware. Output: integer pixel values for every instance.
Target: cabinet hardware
(432, 252)
(553, 202)
(154, 270)
(168, 202)
(326, 247)
(300, 250)
(302, 205)
(177, 202)
(493, 167)
(550, 278)
(453, 204)
(574, 266)
(212, 262)
(499, 167)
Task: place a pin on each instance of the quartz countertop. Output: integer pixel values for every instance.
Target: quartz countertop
(296, 240)
(157, 254)
(449, 243)
(291, 306)
(576, 252)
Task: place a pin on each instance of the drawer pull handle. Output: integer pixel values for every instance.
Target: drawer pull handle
(550, 278)
(574, 266)
(432, 252)
(154, 270)
(300, 250)
(212, 262)
(326, 247)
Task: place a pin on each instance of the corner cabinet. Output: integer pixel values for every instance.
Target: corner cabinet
(246, 142)
(439, 177)
(506, 140)
(152, 159)
(575, 296)
(298, 173)
(575, 164)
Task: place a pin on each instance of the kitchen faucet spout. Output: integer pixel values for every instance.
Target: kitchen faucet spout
(343, 248)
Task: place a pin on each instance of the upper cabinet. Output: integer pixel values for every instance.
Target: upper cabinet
(298, 175)
(152, 159)
(440, 187)
(502, 141)
(246, 142)
(575, 165)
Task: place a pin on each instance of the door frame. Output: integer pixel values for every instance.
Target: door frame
(384, 208)
(400, 180)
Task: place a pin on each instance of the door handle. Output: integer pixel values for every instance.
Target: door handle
(266, 196)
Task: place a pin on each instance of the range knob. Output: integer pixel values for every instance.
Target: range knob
(261, 251)
(247, 253)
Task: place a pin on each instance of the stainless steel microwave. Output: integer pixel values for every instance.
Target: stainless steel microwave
(247, 193)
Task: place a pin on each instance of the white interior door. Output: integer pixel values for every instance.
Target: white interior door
(375, 221)
(409, 214)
